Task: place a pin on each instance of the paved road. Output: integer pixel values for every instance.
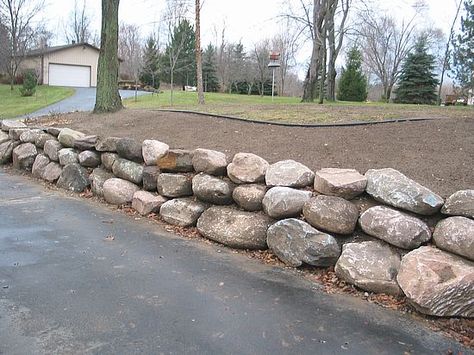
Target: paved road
(65, 289)
(82, 100)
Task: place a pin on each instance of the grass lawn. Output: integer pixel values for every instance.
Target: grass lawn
(12, 104)
(290, 109)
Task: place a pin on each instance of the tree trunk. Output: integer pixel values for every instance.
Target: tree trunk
(107, 97)
(323, 60)
(200, 89)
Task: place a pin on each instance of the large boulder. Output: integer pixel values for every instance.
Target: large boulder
(332, 214)
(89, 158)
(54, 131)
(247, 168)
(234, 228)
(211, 189)
(128, 170)
(456, 235)
(15, 133)
(174, 185)
(209, 162)
(438, 283)
(40, 163)
(393, 188)
(67, 156)
(345, 183)
(118, 191)
(86, 143)
(52, 172)
(153, 150)
(42, 138)
(176, 161)
(6, 125)
(145, 202)
(461, 203)
(29, 135)
(108, 160)
(394, 227)
(371, 266)
(6, 151)
(283, 202)
(183, 212)
(98, 177)
(4, 137)
(107, 144)
(289, 173)
(67, 137)
(74, 178)
(129, 149)
(52, 148)
(24, 156)
(296, 243)
(249, 196)
(150, 175)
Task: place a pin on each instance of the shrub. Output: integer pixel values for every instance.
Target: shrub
(30, 81)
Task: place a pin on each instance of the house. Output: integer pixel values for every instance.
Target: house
(69, 65)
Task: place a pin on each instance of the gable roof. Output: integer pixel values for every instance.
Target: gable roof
(47, 50)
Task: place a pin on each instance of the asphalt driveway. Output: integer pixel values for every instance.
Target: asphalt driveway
(82, 100)
(65, 288)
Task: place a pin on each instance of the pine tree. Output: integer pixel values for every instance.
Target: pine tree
(353, 83)
(149, 74)
(464, 49)
(417, 83)
(209, 71)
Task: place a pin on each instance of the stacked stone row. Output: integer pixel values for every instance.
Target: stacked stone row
(304, 217)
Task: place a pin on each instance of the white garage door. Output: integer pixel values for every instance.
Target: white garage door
(69, 75)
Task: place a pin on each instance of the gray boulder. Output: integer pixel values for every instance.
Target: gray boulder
(73, 178)
(345, 183)
(129, 149)
(6, 125)
(371, 266)
(247, 168)
(54, 131)
(183, 212)
(234, 228)
(153, 150)
(150, 175)
(29, 135)
(24, 156)
(211, 189)
(128, 170)
(15, 133)
(98, 177)
(67, 156)
(42, 138)
(176, 161)
(107, 144)
(210, 162)
(461, 203)
(332, 214)
(394, 227)
(89, 159)
(4, 137)
(40, 163)
(174, 185)
(456, 235)
(52, 172)
(86, 143)
(52, 148)
(118, 191)
(67, 137)
(6, 151)
(283, 202)
(249, 196)
(438, 283)
(296, 243)
(289, 173)
(145, 202)
(393, 188)
(108, 160)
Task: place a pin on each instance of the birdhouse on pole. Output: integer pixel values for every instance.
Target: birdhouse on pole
(274, 60)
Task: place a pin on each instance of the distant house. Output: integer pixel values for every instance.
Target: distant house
(69, 65)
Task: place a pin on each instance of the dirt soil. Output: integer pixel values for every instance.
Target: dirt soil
(438, 153)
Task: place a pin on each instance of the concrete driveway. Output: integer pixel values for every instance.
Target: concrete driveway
(67, 289)
(82, 100)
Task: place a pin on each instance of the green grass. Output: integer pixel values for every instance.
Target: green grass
(12, 104)
(290, 109)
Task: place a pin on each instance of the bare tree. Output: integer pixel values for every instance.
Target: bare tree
(197, 29)
(285, 43)
(18, 17)
(130, 52)
(79, 23)
(261, 53)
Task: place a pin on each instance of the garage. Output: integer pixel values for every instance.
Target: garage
(69, 75)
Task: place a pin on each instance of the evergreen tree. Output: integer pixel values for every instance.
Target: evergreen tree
(209, 71)
(149, 74)
(464, 49)
(417, 83)
(353, 83)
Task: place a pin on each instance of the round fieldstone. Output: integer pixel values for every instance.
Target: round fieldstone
(456, 235)
(183, 212)
(283, 202)
(345, 183)
(249, 196)
(119, 191)
(210, 162)
(211, 189)
(289, 173)
(247, 168)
